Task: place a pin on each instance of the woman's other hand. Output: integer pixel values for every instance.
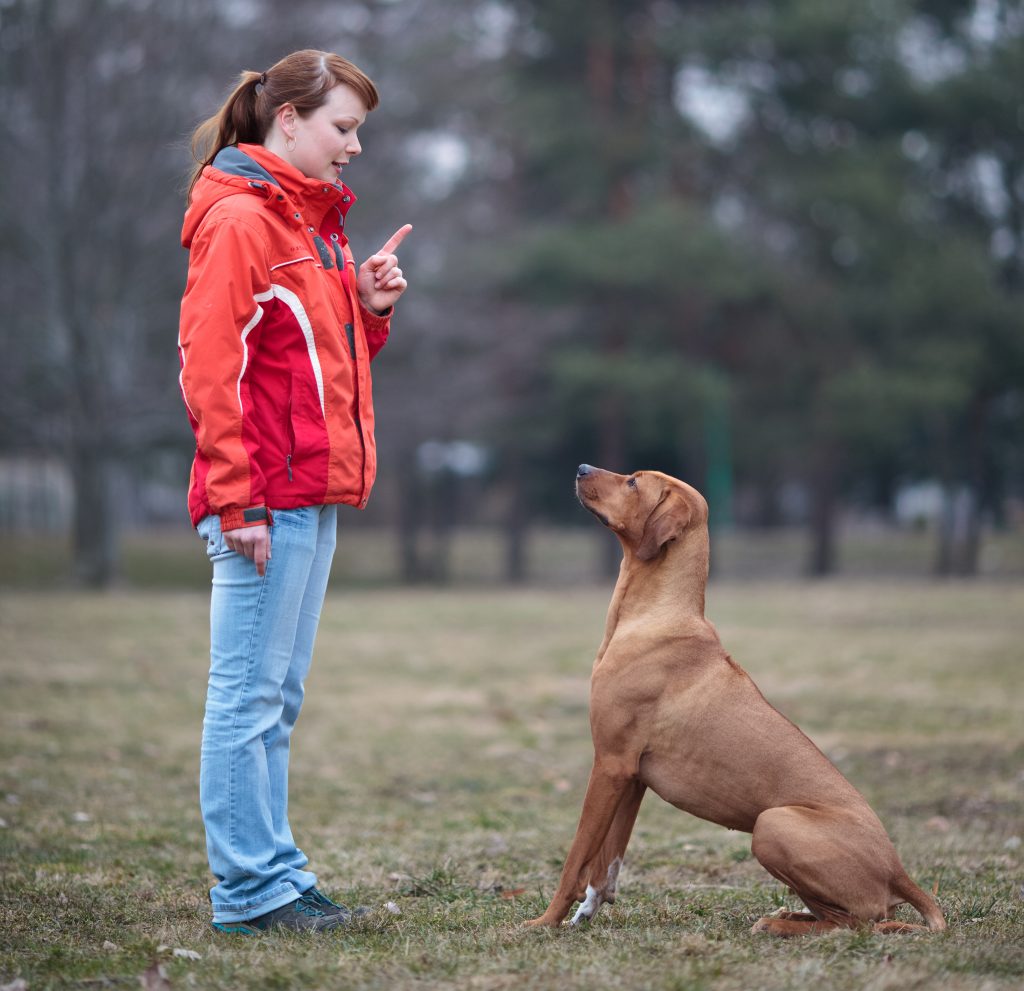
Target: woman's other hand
(252, 542)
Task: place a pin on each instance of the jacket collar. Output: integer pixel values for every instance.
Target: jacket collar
(311, 197)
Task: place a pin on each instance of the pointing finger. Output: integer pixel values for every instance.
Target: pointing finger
(395, 240)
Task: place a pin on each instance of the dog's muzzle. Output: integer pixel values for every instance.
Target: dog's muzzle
(581, 474)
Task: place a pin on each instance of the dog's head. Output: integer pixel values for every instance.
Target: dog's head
(647, 510)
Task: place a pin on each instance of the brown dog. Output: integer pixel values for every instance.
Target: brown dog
(671, 711)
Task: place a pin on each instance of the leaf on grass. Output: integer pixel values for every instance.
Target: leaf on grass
(154, 978)
(513, 892)
(111, 947)
(177, 951)
(18, 984)
(392, 908)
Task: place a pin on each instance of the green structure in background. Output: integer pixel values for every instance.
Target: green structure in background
(718, 484)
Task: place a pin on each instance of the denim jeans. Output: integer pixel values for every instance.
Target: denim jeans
(261, 644)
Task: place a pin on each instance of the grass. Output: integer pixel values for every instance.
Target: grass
(440, 764)
(173, 558)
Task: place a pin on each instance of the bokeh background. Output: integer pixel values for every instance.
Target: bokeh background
(774, 248)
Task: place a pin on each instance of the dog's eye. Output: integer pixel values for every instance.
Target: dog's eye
(632, 483)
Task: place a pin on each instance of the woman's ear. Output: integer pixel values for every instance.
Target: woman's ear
(285, 117)
(668, 521)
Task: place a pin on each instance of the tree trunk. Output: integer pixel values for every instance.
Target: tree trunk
(515, 521)
(969, 551)
(443, 496)
(94, 538)
(958, 545)
(959, 533)
(822, 559)
(408, 519)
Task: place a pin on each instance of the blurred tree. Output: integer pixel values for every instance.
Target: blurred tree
(93, 97)
(607, 238)
(849, 164)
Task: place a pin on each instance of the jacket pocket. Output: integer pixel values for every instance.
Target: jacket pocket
(307, 430)
(290, 433)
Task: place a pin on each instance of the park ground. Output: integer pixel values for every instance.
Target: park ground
(439, 766)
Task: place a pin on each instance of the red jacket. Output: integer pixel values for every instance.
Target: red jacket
(275, 345)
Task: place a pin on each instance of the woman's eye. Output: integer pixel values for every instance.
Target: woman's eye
(343, 130)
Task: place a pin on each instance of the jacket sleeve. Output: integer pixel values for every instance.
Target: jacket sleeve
(221, 311)
(376, 328)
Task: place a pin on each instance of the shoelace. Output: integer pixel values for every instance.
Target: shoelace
(307, 907)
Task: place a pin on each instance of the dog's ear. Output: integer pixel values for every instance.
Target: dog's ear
(666, 523)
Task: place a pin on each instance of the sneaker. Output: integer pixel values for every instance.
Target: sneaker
(301, 915)
(331, 907)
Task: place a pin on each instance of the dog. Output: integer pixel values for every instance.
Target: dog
(671, 711)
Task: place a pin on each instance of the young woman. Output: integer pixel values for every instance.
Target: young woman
(277, 332)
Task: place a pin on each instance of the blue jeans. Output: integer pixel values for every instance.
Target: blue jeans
(261, 644)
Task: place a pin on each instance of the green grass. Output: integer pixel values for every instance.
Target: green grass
(440, 764)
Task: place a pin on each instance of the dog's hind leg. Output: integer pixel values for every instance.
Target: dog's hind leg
(806, 925)
(826, 862)
(603, 873)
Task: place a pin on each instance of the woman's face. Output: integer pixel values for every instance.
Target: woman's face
(326, 141)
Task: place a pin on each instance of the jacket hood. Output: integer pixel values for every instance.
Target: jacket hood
(251, 170)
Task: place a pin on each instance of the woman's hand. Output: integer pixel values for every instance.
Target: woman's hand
(252, 542)
(380, 280)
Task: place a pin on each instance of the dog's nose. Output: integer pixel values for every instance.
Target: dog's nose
(583, 470)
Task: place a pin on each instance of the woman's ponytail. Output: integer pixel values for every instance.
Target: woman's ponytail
(238, 120)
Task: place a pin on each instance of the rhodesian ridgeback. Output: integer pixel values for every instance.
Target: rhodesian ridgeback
(671, 711)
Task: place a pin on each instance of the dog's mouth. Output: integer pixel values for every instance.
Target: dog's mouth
(590, 509)
(581, 498)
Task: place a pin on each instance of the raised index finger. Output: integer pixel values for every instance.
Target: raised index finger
(395, 240)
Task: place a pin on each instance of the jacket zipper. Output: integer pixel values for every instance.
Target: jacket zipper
(291, 437)
(350, 333)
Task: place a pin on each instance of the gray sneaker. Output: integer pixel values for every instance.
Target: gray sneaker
(331, 907)
(301, 915)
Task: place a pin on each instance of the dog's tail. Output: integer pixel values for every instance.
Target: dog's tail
(922, 901)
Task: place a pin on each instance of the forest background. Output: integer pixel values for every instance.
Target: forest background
(776, 249)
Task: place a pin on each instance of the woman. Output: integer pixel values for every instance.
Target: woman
(277, 332)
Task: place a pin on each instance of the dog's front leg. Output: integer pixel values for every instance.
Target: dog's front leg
(603, 871)
(605, 791)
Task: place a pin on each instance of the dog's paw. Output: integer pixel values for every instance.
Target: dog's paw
(541, 922)
(590, 907)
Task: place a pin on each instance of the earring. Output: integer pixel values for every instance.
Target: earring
(289, 143)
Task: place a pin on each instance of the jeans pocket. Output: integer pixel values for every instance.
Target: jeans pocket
(303, 518)
(209, 529)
